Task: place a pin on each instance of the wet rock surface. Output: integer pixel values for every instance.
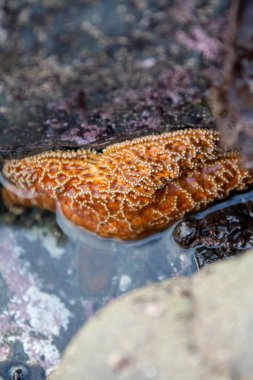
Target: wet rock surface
(218, 235)
(51, 285)
(185, 329)
(90, 73)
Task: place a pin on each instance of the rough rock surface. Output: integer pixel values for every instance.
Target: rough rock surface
(233, 104)
(89, 73)
(186, 329)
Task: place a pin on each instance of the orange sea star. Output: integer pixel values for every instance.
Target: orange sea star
(131, 189)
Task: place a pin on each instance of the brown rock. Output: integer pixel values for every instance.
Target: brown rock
(233, 101)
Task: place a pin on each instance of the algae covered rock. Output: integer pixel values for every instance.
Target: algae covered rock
(91, 73)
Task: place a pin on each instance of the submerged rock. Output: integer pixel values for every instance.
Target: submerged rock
(51, 283)
(185, 329)
(91, 73)
(16, 370)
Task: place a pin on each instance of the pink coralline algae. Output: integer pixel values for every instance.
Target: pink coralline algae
(201, 42)
(31, 315)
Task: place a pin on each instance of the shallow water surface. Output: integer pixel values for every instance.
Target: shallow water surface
(53, 279)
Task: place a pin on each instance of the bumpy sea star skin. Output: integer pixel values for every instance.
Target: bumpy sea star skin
(131, 189)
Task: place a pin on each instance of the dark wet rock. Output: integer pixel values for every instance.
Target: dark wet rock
(218, 235)
(90, 73)
(205, 256)
(187, 233)
(230, 228)
(189, 328)
(233, 104)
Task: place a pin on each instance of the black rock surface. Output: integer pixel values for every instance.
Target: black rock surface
(218, 235)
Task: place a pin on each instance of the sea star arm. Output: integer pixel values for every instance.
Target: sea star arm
(133, 189)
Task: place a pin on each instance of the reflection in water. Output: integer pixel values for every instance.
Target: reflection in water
(51, 281)
(161, 244)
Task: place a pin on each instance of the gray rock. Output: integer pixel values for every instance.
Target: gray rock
(184, 329)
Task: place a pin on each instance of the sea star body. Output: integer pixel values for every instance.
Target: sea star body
(132, 189)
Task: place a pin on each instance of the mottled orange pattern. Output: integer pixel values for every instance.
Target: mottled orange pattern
(132, 189)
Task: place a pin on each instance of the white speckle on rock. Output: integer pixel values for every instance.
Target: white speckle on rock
(50, 244)
(147, 63)
(46, 311)
(124, 283)
(154, 309)
(48, 241)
